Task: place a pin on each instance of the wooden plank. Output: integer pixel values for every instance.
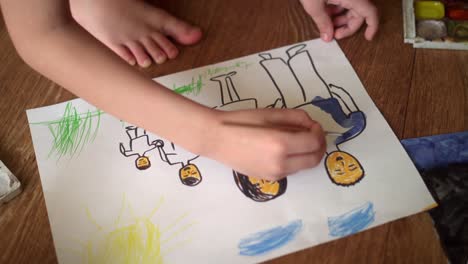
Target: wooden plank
(414, 240)
(437, 102)
(24, 224)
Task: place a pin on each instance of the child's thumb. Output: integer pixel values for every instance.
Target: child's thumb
(316, 9)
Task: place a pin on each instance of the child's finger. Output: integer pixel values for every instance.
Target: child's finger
(154, 50)
(292, 117)
(372, 27)
(316, 9)
(350, 28)
(301, 162)
(305, 142)
(140, 54)
(340, 21)
(369, 12)
(333, 10)
(124, 53)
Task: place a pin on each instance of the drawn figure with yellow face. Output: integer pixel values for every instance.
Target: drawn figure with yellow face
(343, 169)
(256, 189)
(189, 174)
(299, 85)
(139, 146)
(259, 190)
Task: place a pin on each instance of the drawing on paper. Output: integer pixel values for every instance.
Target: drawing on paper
(300, 85)
(139, 240)
(230, 99)
(352, 222)
(138, 146)
(258, 190)
(343, 168)
(189, 174)
(72, 131)
(268, 240)
(194, 87)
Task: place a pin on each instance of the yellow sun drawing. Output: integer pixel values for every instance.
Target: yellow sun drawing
(141, 241)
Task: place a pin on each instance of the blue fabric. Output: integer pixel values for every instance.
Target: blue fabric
(437, 151)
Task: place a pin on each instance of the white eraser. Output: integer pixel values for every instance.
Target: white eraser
(9, 184)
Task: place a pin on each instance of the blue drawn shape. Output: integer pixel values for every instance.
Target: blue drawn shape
(355, 121)
(352, 221)
(437, 151)
(268, 240)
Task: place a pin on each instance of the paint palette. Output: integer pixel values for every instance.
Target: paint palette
(436, 24)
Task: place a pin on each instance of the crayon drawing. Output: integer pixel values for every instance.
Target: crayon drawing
(141, 240)
(353, 221)
(189, 174)
(300, 86)
(140, 145)
(72, 131)
(258, 190)
(265, 241)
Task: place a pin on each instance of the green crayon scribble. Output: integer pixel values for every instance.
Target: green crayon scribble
(73, 131)
(195, 87)
(217, 70)
(191, 88)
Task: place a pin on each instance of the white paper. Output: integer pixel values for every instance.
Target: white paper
(103, 209)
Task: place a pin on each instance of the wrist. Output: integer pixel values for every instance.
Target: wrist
(209, 139)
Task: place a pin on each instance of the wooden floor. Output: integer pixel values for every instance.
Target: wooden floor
(420, 93)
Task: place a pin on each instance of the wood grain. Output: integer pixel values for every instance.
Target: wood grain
(420, 92)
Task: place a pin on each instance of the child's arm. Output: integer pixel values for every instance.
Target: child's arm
(50, 41)
(342, 18)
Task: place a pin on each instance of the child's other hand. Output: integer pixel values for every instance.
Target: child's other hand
(342, 18)
(266, 143)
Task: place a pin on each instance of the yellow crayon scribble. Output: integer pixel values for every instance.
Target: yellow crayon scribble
(177, 246)
(161, 201)
(140, 241)
(117, 221)
(180, 218)
(135, 243)
(92, 220)
(178, 232)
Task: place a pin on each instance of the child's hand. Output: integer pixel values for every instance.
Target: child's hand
(348, 16)
(266, 143)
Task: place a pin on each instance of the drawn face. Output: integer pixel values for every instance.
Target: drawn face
(259, 190)
(343, 168)
(142, 163)
(190, 175)
(264, 186)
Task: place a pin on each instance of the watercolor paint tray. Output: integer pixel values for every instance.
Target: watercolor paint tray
(410, 36)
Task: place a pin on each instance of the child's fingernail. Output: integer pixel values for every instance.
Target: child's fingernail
(132, 62)
(146, 63)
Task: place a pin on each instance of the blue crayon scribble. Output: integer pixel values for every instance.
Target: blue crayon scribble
(352, 221)
(355, 121)
(268, 240)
